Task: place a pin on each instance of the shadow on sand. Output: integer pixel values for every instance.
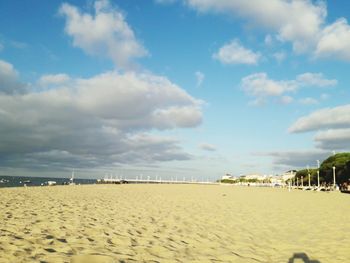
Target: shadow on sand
(301, 258)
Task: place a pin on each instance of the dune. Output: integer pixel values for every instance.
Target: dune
(172, 223)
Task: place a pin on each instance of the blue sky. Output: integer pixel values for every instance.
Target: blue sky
(188, 88)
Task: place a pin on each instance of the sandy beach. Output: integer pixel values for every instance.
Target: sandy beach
(172, 223)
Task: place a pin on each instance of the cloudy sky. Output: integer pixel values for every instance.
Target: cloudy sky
(186, 88)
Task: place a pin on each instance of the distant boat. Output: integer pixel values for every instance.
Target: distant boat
(27, 182)
(71, 180)
(51, 183)
(3, 181)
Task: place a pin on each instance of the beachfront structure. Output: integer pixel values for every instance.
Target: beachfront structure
(228, 177)
(277, 179)
(289, 175)
(281, 179)
(273, 179)
(257, 177)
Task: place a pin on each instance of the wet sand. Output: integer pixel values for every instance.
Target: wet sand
(172, 223)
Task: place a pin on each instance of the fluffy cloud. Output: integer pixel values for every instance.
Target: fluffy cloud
(207, 147)
(303, 23)
(199, 78)
(335, 41)
(295, 21)
(175, 117)
(332, 126)
(279, 56)
(9, 83)
(268, 40)
(287, 99)
(105, 33)
(315, 79)
(137, 101)
(297, 159)
(261, 86)
(235, 53)
(154, 148)
(53, 79)
(328, 118)
(335, 139)
(101, 121)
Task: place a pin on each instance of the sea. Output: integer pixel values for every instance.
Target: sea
(18, 181)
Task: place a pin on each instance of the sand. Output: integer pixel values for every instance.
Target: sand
(172, 223)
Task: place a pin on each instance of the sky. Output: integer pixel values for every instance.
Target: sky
(172, 88)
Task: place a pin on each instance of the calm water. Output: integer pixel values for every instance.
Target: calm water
(15, 181)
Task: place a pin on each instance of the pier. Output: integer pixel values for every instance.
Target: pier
(149, 181)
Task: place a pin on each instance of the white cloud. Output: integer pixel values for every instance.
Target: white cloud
(287, 99)
(280, 56)
(176, 117)
(9, 83)
(335, 41)
(315, 79)
(328, 118)
(235, 53)
(297, 158)
(134, 99)
(143, 147)
(332, 126)
(199, 78)
(260, 85)
(53, 79)
(105, 33)
(105, 120)
(333, 139)
(302, 23)
(7, 70)
(308, 101)
(268, 40)
(295, 21)
(207, 147)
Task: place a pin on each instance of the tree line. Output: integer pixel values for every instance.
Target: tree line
(341, 162)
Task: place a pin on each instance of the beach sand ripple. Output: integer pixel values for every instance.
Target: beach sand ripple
(172, 223)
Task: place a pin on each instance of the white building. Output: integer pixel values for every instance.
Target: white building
(289, 175)
(277, 179)
(228, 177)
(255, 177)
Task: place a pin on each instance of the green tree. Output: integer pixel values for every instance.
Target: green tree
(341, 161)
(228, 181)
(304, 173)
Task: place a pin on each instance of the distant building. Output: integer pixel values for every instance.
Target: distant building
(289, 175)
(273, 179)
(228, 177)
(254, 177)
(277, 179)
